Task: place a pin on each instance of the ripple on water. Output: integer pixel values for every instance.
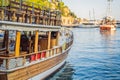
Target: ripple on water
(94, 56)
(64, 74)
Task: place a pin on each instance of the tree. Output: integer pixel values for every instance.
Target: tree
(45, 4)
(4, 2)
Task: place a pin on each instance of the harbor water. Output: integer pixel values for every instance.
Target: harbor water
(94, 55)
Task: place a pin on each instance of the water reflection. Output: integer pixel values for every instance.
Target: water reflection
(108, 42)
(107, 33)
(94, 55)
(64, 74)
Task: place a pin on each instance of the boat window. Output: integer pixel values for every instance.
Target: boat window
(1, 38)
(53, 34)
(24, 42)
(12, 38)
(7, 41)
(43, 41)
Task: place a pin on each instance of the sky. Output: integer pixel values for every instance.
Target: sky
(95, 8)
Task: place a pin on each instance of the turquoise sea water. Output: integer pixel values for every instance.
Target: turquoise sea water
(94, 55)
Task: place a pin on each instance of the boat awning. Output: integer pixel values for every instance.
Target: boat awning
(7, 25)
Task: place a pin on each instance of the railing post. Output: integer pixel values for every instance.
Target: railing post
(37, 19)
(7, 64)
(17, 47)
(43, 17)
(24, 60)
(57, 40)
(55, 50)
(30, 20)
(61, 49)
(14, 16)
(49, 17)
(23, 17)
(2, 15)
(36, 42)
(2, 12)
(30, 42)
(51, 52)
(7, 41)
(49, 40)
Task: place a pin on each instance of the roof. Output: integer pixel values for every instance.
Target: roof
(7, 25)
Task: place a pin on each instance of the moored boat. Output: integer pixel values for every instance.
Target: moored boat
(88, 26)
(108, 23)
(38, 45)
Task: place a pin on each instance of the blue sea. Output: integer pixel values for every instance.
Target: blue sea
(94, 55)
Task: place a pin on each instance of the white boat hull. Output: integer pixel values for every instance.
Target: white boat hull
(88, 26)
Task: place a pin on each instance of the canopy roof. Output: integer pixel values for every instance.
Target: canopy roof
(6, 25)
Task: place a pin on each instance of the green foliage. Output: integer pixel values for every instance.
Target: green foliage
(42, 4)
(4, 3)
(45, 4)
(73, 14)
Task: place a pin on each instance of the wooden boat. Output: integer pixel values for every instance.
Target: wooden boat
(34, 45)
(108, 23)
(107, 27)
(88, 25)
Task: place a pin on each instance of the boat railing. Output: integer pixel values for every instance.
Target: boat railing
(2, 50)
(24, 13)
(12, 62)
(9, 63)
